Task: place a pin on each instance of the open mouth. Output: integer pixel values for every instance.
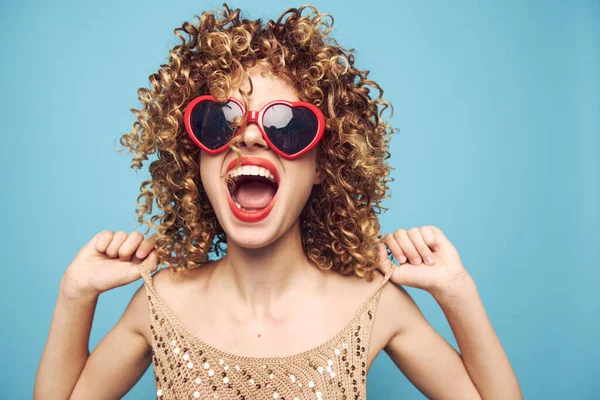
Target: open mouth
(252, 188)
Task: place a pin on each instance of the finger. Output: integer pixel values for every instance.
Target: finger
(440, 237)
(152, 261)
(428, 234)
(104, 239)
(383, 263)
(417, 238)
(397, 252)
(407, 246)
(131, 271)
(146, 247)
(414, 276)
(113, 248)
(130, 245)
(91, 245)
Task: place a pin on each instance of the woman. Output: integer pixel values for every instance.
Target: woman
(269, 141)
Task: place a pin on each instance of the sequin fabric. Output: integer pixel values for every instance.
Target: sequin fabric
(185, 367)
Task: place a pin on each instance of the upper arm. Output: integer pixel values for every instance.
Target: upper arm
(120, 359)
(425, 358)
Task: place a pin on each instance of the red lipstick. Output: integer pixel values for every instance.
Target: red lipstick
(252, 216)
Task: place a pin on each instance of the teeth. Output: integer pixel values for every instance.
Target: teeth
(253, 170)
(238, 205)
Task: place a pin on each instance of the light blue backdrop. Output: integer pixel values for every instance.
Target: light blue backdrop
(498, 109)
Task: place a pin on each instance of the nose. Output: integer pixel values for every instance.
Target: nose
(252, 137)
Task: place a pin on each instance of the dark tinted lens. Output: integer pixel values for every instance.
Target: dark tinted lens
(211, 122)
(290, 129)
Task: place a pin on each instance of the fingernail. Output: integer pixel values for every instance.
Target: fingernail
(416, 260)
(429, 260)
(402, 259)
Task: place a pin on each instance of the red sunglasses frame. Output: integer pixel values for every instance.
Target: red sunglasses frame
(256, 117)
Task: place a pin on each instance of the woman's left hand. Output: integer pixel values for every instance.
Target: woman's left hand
(428, 261)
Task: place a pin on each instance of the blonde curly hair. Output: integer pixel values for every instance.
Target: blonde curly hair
(339, 225)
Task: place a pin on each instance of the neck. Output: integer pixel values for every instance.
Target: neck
(260, 277)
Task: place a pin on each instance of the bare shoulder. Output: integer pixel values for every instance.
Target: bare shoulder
(173, 287)
(394, 313)
(352, 290)
(396, 310)
(168, 287)
(393, 310)
(178, 291)
(136, 315)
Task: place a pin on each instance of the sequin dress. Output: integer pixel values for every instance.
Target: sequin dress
(185, 367)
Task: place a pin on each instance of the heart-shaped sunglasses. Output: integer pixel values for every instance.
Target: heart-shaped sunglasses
(290, 128)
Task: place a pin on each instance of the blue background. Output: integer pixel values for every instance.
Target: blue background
(497, 105)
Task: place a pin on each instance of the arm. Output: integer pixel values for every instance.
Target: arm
(429, 362)
(483, 370)
(105, 262)
(482, 354)
(433, 365)
(120, 359)
(66, 349)
(67, 371)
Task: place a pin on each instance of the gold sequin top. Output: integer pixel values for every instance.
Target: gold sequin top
(185, 367)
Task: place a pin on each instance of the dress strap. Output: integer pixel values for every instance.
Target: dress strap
(392, 267)
(145, 272)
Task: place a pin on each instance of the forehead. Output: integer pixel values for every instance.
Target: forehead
(265, 88)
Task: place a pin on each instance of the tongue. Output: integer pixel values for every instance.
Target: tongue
(255, 194)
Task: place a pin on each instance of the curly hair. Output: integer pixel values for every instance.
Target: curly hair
(339, 225)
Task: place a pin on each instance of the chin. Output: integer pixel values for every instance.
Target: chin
(251, 238)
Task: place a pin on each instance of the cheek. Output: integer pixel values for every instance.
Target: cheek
(209, 176)
(303, 178)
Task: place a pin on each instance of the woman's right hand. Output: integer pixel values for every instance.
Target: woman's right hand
(107, 261)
